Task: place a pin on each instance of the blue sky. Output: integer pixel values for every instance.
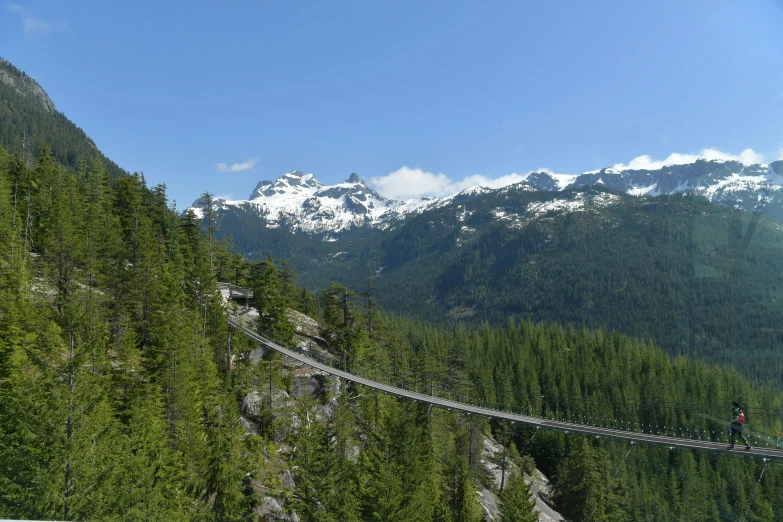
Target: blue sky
(420, 97)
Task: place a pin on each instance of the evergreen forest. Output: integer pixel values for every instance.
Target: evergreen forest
(692, 277)
(124, 395)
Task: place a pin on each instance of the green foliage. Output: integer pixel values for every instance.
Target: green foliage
(112, 405)
(272, 300)
(694, 278)
(516, 502)
(26, 122)
(561, 373)
(118, 392)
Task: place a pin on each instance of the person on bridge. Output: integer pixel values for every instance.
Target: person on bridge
(737, 425)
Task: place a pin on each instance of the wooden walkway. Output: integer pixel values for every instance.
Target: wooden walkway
(469, 409)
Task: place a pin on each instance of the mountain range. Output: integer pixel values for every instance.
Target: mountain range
(686, 256)
(300, 203)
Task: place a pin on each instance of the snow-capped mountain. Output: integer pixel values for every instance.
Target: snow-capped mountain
(300, 202)
(750, 187)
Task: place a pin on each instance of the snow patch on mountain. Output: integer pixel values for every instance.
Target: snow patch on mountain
(578, 202)
(300, 202)
(547, 180)
(642, 191)
(734, 183)
(564, 180)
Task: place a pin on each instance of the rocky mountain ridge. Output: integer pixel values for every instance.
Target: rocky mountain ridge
(28, 118)
(300, 202)
(24, 85)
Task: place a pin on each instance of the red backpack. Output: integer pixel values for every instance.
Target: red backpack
(741, 418)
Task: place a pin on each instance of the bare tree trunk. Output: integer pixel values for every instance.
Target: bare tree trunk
(69, 431)
(13, 225)
(228, 357)
(27, 226)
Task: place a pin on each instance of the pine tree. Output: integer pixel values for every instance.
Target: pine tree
(371, 302)
(516, 504)
(272, 304)
(207, 203)
(579, 487)
(223, 477)
(465, 505)
(505, 456)
(150, 471)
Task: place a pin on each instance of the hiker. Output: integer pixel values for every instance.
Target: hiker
(737, 425)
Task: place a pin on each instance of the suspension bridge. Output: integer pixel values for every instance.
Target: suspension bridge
(540, 423)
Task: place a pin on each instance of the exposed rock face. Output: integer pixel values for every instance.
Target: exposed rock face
(254, 401)
(356, 179)
(24, 85)
(542, 181)
(287, 479)
(490, 502)
(305, 382)
(539, 486)
(313, 384)
(270, 510)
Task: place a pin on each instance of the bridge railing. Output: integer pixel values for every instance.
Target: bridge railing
(230, 291)
(675, 419)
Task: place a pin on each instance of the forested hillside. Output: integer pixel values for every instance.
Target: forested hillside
(28, 117)
(578, 375)
(118, 400)
(693, 277)
(122, 396)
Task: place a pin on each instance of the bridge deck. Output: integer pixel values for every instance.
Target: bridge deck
(632, 436)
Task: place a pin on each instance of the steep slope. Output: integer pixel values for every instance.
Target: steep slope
(28, 117)
(694, 277)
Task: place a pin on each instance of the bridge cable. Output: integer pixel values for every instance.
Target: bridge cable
(531, 439)
(766, 462)
(235, 324)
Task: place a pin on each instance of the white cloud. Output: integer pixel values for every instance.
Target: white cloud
(33, 26)
(16, 8)
(237, 167)
(406, 183)
(747, 157)
(36, 26)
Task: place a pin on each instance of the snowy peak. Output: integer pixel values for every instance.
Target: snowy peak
(542, 181)
(295, 181)
(300, 202)
(354, 178)
(666, 180)
(549, 181)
